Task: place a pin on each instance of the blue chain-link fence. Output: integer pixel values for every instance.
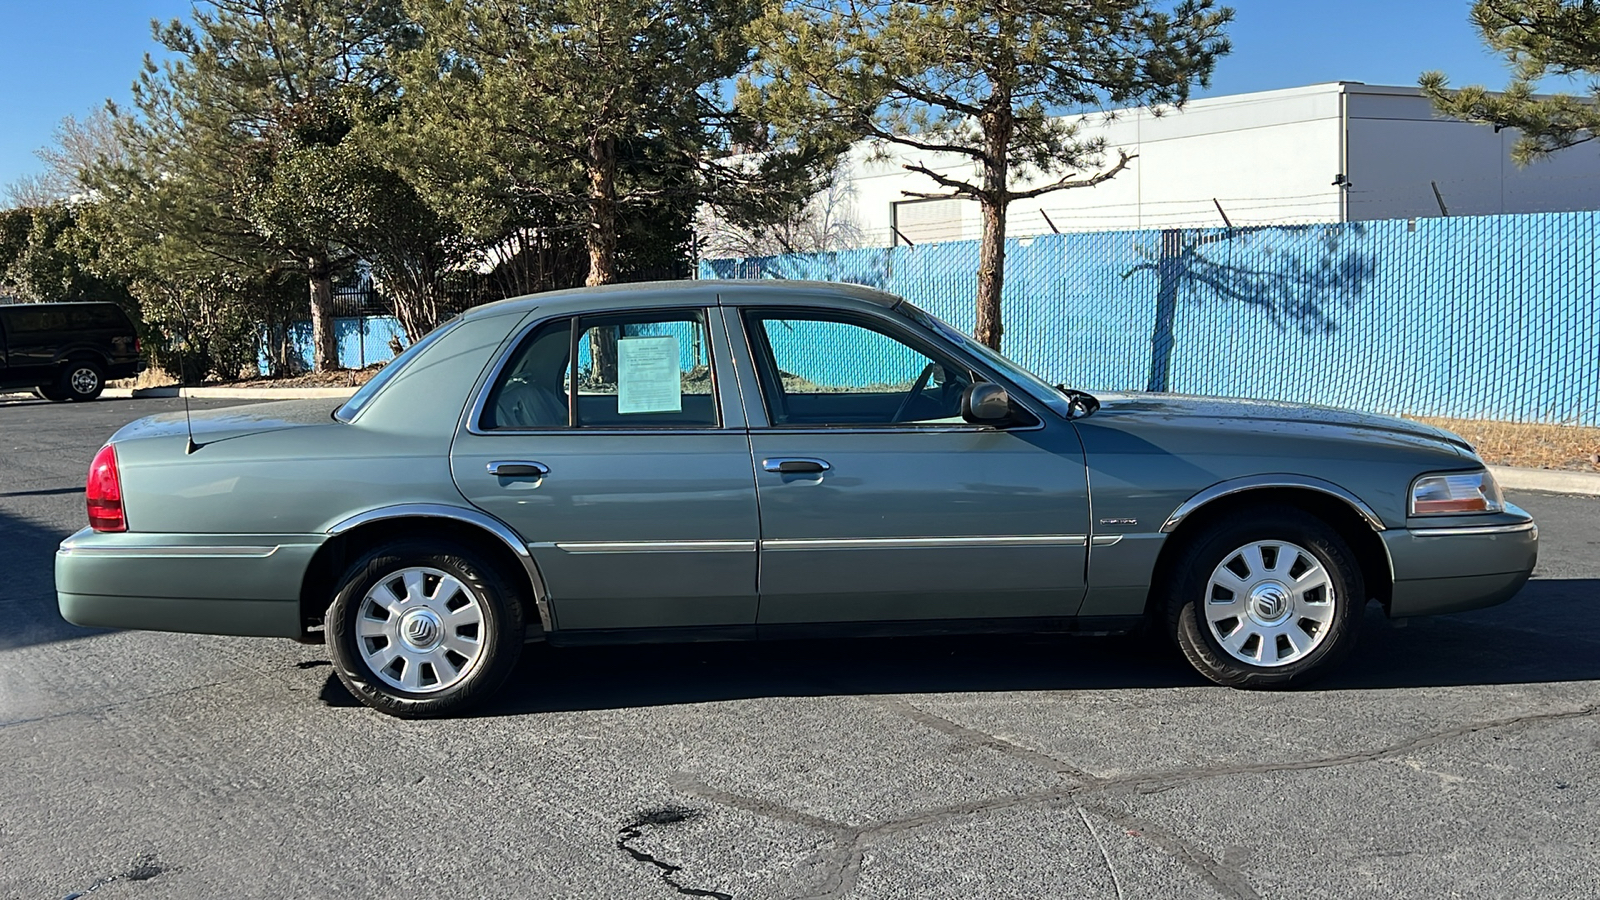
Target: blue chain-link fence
(1488, 318)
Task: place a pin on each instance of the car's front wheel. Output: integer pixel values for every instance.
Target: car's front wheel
(1269, 598)
(421, 629)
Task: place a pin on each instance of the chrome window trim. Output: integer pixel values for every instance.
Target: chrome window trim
(1459, 530)
(506, 534)
(920, 543)
(584, 547)
(481, 399)
(195, 551)
(1257, 482)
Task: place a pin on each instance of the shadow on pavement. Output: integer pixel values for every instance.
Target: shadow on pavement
(28, 600)
(1544, 634)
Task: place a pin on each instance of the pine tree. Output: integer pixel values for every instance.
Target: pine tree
(247, 82)
(1538, 38)
(604, 113)
(986, 80)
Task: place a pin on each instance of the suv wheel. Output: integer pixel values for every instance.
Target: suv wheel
(80, 380)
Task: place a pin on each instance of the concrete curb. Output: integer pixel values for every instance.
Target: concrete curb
(1553, 480)
(232, 393)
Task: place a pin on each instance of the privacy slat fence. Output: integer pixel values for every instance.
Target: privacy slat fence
(1492, 317)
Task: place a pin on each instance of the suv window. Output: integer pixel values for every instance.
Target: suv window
(97, 316)
(22, 320)
(822, 369)
(645, 369)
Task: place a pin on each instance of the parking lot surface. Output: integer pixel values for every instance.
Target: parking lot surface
(1453, 757)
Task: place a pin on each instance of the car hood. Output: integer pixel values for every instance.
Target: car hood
(1265, 415)
(232, 421)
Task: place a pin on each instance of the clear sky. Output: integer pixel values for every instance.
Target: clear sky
(67, 57)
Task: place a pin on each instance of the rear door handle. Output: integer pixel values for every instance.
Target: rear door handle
(793, 464)
(518, 469)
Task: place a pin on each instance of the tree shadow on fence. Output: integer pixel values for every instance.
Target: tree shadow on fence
(1298, 276)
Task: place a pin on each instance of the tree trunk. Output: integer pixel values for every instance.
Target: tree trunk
(324, 345)
(601, 238)
(991, 274)
(1169, 273)
(995, 198)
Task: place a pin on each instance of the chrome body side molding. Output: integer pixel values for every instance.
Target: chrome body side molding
(1455, 530)
(911, 543)
(650, 546)
(172, 551)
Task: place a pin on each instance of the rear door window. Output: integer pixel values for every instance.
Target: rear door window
(647, 369)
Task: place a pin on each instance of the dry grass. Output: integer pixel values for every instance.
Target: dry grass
(1571, 447)
(342, 378)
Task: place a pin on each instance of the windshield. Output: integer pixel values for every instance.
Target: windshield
(361, 398)
(1037, 387)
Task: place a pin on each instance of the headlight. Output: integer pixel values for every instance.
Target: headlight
(1456, 494)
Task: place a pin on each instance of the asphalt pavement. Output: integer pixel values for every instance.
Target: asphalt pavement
(1453, 757)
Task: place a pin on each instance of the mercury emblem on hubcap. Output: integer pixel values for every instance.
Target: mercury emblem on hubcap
(421, 629)
(1269, 602)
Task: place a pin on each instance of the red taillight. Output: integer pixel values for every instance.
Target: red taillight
(105, 493)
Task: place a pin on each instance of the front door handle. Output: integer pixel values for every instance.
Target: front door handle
(795, 464)
(518, 469)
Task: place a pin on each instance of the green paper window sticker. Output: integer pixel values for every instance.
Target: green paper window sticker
(648, 376)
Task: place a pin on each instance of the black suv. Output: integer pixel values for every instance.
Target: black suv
(66, 351)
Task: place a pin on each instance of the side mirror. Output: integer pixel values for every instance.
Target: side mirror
(986, 403)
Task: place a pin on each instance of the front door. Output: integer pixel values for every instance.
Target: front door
(880, 503)
(612, 446)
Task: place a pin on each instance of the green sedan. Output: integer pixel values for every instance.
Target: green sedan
(739, 460)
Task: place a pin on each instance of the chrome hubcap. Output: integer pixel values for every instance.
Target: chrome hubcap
(83, 381)
(1269, 603)
(420, 630)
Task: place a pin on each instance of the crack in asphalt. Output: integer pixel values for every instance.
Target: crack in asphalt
(849, 843)
(662, 816)
(1116, 880)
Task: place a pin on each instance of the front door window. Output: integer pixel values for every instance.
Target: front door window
(825, 371)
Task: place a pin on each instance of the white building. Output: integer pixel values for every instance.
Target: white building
(1334, 152)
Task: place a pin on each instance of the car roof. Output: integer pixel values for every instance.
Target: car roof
(668, 293)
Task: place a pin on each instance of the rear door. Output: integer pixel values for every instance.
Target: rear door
(615, 445)
(879, 502)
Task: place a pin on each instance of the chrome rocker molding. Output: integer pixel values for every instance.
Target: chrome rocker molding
(1258, 482)
(499, 529)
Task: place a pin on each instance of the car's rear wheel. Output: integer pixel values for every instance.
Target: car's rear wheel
(1269, 598)
(421, 629)
(81, 379)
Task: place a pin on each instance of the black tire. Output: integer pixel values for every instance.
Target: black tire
(499, 633)
(1190, 590)
(81, 380)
